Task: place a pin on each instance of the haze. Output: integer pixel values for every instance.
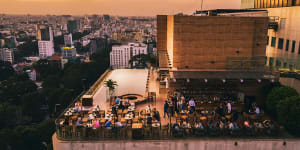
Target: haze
(112, 7)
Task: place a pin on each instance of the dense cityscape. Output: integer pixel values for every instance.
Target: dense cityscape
(171, 81)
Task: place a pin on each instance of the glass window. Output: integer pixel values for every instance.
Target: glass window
(299, 48)
(273, 42)
(287, 46)
(280, 43)
(268, 40)
(293, 46)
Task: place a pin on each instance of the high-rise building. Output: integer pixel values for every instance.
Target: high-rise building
(45, 40)
(68, 39)
(68, 52)
(73, 26)
(121, 54)
(7, 55)
(283, 41)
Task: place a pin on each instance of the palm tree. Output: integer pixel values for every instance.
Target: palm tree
(111, 86)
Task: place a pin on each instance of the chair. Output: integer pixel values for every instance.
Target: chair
(164, 132)
(102, 113)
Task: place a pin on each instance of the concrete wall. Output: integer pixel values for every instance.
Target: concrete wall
(291, 82)
(203, 144)
(201, 40)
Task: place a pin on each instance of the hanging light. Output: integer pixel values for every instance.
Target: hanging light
(223, 80)
(242, 80)
(188, 80)
(205, 80)
(259, 80)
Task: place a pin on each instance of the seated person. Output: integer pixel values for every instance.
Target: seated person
(66, 122)
(176, 128)
(257, 110)
(221, 124)
(97, 124)
(230, 125)
(211, 124)
(108, 124)
(156, 115)
(149, 120)
(119, 124)
(79, 122)
(91, 116)
(220, 110)
(199, 125)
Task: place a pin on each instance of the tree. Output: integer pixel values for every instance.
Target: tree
(6, 70)
(31, 104)
(111, 86)
(288, 111)
(277, 94)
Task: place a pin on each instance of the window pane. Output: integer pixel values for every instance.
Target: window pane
(287, 46)
(293, 46)
(273, 42)
(280, 43)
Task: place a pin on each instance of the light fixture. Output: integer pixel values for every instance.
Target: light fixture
(272, 80)
(205, 80)
(259, 80)
(242, 80)
(223, 80)
(188, 80)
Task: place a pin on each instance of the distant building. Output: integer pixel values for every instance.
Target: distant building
(68, 52)
(121, 54)
(68, 39)
(283, 41)
(56, 61)
(7, 55)
(45, 41)
(98, 45)
(73, 26)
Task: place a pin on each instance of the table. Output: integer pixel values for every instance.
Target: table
(109, 116)
(131, 108)
(203, 118)
(84, 119)
(157, 124)
(128, 116)
(137, 125)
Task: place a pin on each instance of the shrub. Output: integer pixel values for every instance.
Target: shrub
(288, 111)
(277, 94)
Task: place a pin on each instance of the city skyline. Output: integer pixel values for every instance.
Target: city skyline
(118, 7)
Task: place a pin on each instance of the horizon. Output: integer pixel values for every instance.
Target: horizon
(116, 8)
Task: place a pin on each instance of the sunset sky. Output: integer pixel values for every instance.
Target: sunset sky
(112, 7)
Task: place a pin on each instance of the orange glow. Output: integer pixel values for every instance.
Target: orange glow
(113, 7)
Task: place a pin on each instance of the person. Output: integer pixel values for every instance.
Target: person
(219, 110)
(97, 124)
(228, 107)
(177, 129)
(257, 110)
(199, 125)
(119, 124)
(171, 107)
(178, 106)
(230, 126)
(117, 101)
(121, 106)
(114, 109)
(149, 120)
(175, 103)
(148, 109)
(79, 122)
(166, 107)
(91, 117)
(108, 124)
(192, 104)
(156, 115)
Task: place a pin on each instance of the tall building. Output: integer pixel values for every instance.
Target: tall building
(283, 41)
(73, 26)
(7, 55)
(69, 52)
(68, 39)
(45, 40)
(121, 54)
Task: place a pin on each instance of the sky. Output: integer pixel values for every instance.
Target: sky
(111, 7)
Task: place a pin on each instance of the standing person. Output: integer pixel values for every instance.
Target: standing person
(171, 107)
(182, 101)
(228, 107)
(192, 104)
(166, 107)
(117, 101)
(175, 103)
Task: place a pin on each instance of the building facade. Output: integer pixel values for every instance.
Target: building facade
(283, 42)
(269, 3)
(121, 54)
(45, 40)
(68, 39)
(7, 55)
(69, 52)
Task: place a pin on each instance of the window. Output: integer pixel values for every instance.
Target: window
(287, 46)
(299, 48)
(293, 2)
(280, 43)
(293, 46)
(273, 42)
(268, 40)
